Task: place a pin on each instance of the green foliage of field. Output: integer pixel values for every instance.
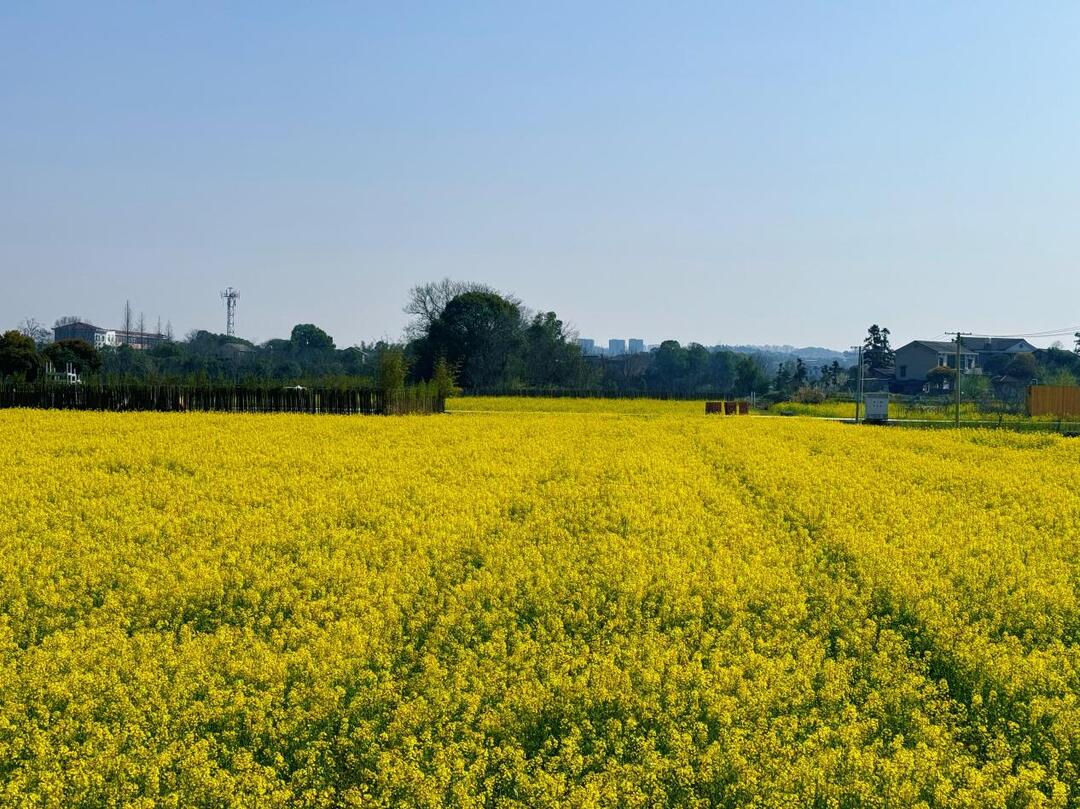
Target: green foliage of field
(525, 404)
(897, 410)
(971, 412)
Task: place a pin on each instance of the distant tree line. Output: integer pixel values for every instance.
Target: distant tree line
(308, 354)
(491, 342)
(472, 337)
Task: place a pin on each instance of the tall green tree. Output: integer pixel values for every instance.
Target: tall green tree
(722, 369)
(392, 370)
(444, 379)
(800, 375)
(549, 358)
(784, 383)
(750, 376)
(832, 375)
(697, 367)
(670, 363)
(78, 353)
(19, 357)
(1022, 367)
(877, 353)
(309, 337)
(480, 333)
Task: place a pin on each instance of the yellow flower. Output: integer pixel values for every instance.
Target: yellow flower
(573, 603)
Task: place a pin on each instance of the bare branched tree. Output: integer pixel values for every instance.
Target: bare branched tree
(128, 322)
(427, 302)
(35, 330)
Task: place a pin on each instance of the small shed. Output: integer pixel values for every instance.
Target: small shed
(877, 406)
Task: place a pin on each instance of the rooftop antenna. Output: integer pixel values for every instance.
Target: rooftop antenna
(230, 296)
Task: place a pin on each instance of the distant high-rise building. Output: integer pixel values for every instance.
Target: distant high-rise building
(587, 346)
(616, 347)
(636, 346)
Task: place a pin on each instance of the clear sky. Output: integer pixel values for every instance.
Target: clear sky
(721, 172)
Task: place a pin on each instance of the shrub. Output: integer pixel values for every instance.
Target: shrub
(808, 395)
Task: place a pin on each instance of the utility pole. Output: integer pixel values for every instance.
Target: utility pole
(859, 389)
(958, 334)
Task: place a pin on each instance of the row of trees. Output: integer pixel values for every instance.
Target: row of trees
(493, 342)
(23, 358)
(308, 354)
(461, 334)
(472, 336)
(384, 366)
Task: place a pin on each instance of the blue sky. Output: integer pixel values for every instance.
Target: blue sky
(750, 172)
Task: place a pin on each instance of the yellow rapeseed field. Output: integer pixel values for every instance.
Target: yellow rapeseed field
(535, 610)
(570, 404)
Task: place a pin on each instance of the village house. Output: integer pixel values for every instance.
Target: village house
(915, 360)
(989, 348)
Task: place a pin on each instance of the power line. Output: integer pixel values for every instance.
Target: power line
(1062, 332)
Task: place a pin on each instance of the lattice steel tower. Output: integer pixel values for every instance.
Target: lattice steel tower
(230, 296)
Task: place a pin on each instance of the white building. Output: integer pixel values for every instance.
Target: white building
(88, 332)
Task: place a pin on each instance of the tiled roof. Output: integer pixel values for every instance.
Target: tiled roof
(941, 346)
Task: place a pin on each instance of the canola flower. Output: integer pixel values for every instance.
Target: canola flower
(522, 610)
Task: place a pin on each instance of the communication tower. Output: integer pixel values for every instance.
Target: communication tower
(230, 296)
